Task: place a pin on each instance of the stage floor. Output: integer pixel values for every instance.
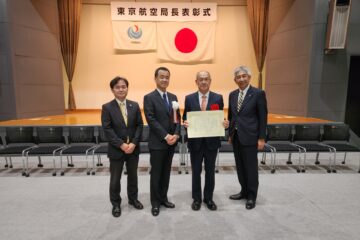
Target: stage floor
(92, 117)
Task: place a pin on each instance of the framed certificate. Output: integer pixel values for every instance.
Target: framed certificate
(205, 124)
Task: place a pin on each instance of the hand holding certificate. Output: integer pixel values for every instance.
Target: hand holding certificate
(205, 124)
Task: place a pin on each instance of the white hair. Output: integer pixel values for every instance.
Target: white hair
(244, 69)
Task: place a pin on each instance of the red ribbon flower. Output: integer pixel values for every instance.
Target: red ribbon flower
(214, 107)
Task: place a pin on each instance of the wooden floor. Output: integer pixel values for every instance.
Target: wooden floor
(92, 117)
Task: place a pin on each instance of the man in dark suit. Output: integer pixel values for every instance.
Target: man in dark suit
(203, 149)
(248, 119)
(122, 124)
(162, 115)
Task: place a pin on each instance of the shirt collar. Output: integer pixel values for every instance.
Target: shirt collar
(245, 90)
(119, 102)
(206, 94)
(161, 92)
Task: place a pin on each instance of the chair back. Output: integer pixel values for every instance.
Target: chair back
(307, 132)
(81, 134)
(19, 135)
(279, 133)
(50, 135)
(336, 132)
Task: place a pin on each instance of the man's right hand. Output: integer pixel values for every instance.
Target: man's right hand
(186, 124)
(171, 139)
(124, 147)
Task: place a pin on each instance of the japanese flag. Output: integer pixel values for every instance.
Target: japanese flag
(138, 36)
(186, 41)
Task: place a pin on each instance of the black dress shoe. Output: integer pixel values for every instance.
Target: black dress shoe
(168, 204)
(210, 205)
(196, 205)
(155, 211)
(116, 211)
(237, 196)
(250, 204)
(136, 203)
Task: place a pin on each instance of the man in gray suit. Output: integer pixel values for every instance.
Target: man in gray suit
(122, 124)
(164, 126)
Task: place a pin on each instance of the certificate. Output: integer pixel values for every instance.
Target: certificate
(205, 124)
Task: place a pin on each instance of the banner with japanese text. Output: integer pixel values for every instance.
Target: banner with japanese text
(163, 11)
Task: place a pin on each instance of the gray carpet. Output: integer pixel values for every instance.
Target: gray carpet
(311, 205)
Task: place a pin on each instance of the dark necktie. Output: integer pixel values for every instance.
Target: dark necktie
(166, 102)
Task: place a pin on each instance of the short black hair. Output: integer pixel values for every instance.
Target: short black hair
(161, 69)
(116, 80)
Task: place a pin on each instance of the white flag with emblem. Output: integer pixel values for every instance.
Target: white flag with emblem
(138, 36)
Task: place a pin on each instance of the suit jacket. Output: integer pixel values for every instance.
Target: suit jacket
(250, 122)
(160, 120)
(192, 104)
(116, 130)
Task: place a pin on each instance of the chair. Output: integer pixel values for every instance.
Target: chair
(225, 147)
(338, 136)
(50, 141)
(183, 152)
(280, 137)
(18, 140)
(100, 149)
(308, 137)
(228, 148)
(81, 141)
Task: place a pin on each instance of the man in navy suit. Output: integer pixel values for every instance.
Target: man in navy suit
(248, 119)
(203, 149)
(163, 120)
(122, 124)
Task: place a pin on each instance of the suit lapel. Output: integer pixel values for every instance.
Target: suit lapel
(196, 101)
(211, 98)
(130, 111)
(160, 98)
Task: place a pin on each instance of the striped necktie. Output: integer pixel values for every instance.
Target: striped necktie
(240, 100)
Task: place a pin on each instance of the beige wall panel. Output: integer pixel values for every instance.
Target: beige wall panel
(37, 71)
(296, 42)
(295, 96)
(297, 66)
(97, 62)
(5, 68)
(278, 11)
(297, 14)
(23, 13)
(48, 12)
(7, 103)
(32, 97)
(31, 42)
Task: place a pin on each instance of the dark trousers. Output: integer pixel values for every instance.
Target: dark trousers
(246, 167)
(197, 158)
(116, 168)
(160, 161)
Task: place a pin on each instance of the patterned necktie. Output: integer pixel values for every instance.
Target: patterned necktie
(240, 100)
(203, 102)
(123, 112)
(166, 102)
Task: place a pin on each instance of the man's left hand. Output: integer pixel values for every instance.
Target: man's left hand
(261, 144)
(226, 123)
(130, 148)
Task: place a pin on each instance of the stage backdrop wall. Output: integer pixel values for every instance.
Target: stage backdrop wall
(97, 61)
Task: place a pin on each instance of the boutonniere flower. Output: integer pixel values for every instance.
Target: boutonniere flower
(175, 107)
(214, 107)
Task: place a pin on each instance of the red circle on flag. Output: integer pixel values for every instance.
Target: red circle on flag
(186, 40)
